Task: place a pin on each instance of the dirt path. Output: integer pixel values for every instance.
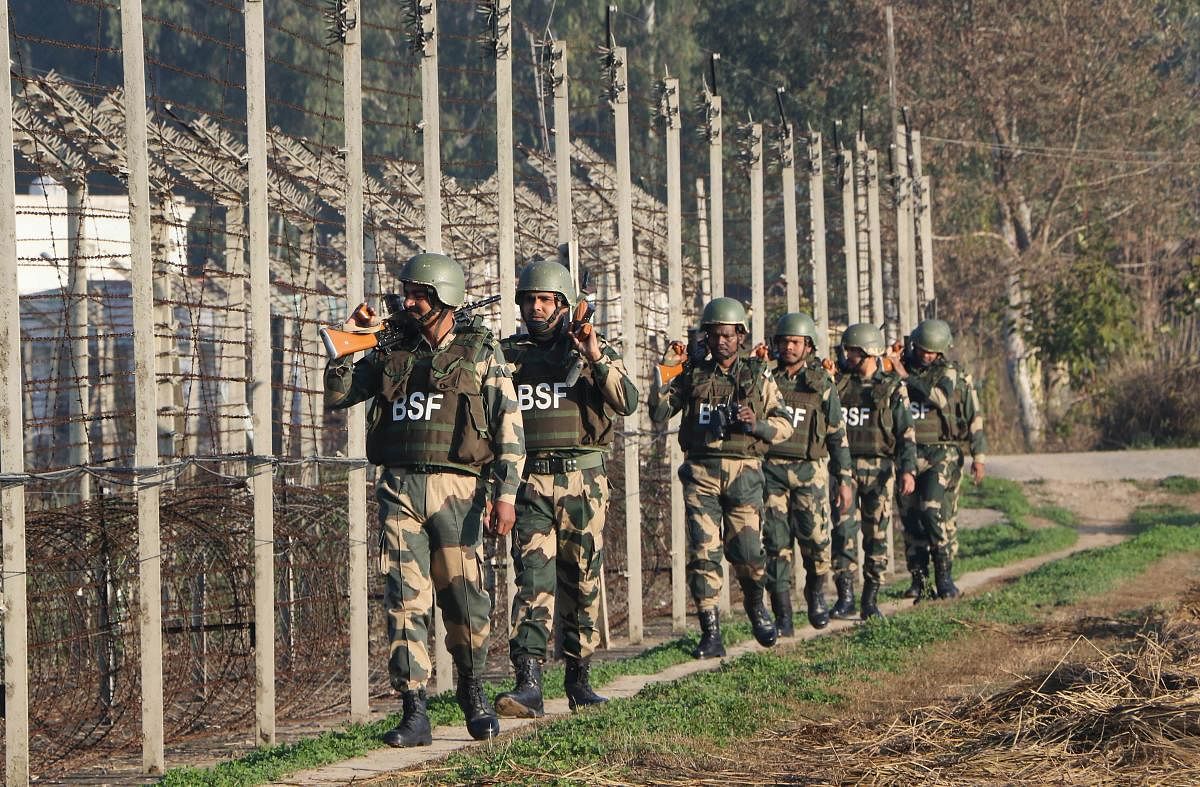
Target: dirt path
(1097, 465)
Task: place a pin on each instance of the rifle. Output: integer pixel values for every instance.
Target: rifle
(693, 351)
(580, 328)
(385, 335)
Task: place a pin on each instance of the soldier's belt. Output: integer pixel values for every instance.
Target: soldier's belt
(426, 469)
(562, 464)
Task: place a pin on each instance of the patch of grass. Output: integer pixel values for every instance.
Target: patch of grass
(1004, 542)
(751, 693)
(1180, 485)
(986, 547)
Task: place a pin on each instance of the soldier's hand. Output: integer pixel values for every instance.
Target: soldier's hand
(674, 355)
(746, 415)
(363, 316)
(845, 496)
(977, 472)
(908, 483)
(502, 517)
(589, 346)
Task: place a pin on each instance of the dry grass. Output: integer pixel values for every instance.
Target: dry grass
(1098, 715)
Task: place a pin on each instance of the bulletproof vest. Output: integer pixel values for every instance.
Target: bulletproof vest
(706, 389)
(802, 398)
(931, 424)
(867, 411)
(557, 417)
(430, 408)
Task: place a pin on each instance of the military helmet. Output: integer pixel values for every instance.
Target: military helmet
(725, 311)
(933, 336)
(795, 324)
(865, 337)
(439, 273)
(547, 276)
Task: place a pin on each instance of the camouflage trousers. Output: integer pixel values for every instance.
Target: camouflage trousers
(559, 545)
(952, 496)
(430, 543)
(927, 512)
(872, 485)
(797, 509)
(723, 501)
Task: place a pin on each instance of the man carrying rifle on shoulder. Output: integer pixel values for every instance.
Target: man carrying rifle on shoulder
(445, 428)
(571, 386)
(732, 412)
(948, 422)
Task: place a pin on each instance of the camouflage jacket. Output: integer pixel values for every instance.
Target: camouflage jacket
(948, 389)
(346, 386)
(561, 420)
(772, 422)
(878, 417)
(824, 427)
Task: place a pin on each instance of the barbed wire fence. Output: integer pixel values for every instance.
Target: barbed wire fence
(76, 520)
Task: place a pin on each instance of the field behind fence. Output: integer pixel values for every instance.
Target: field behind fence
(189, 539)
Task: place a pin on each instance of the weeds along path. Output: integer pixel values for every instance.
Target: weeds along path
(448, 739)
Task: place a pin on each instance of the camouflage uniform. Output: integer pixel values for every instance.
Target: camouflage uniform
(561, 506)
(722, 474)
(797, 472)
(879, 428)
(947, 418)
(445, 427)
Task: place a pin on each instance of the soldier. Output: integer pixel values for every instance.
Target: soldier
(732, 411)
(446, 431)
(879, 428)
(561, 506)
(797, 471)
(945, 410)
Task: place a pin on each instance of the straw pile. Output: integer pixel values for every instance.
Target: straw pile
(1096, 717)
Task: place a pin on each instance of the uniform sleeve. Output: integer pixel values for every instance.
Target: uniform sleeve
(614, 381)
(776, 426)
(835, 436)
(664, 403)
(973, 414)
(346, 385)
(904, 432)
(505, 426)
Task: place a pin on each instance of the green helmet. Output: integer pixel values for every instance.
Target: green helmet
(439, 273)
(795, 324)
(547, 276)
(865, 337)
(725, 311)
(933, 336)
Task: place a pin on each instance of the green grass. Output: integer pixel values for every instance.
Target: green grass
(1004, 542)
(986, 547)
(1180, 485)
(750, 694)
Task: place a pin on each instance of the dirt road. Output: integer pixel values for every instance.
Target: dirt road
(1097, 465)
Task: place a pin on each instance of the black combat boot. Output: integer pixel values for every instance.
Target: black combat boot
(525, 700)
(760, 620)
(844, 608)
(814, 597)
(919, 587)
(481, 719)
(919, 568)
(710, 636)
(578, 686)
(943, 573)
(413, 729)
(781, 605)
(870, 590)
